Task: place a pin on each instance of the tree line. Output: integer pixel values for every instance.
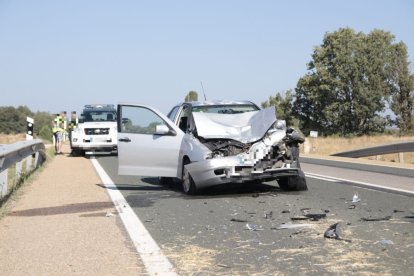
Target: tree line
(13, 120)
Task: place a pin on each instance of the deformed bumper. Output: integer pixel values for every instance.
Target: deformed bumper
(229, 170)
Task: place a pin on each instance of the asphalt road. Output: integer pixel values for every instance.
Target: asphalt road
(236, 229)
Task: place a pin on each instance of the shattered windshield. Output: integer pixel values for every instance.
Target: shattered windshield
(225, 109)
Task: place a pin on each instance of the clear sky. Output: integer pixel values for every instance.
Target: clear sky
(59, 55)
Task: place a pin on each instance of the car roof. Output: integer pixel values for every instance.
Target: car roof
(218, 102)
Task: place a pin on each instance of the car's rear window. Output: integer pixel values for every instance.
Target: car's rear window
(225, 109)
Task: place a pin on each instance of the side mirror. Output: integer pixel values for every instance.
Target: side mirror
(163, 130)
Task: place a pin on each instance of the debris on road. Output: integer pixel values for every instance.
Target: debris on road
(291, 226)
(299, 218)
(268, 215)
(355, 198)
(285, 212)
(109, 214)
(376, 219)
(313, 217)
(386, 242)
(253, 227)
(239, 220)
(353, 206)
(335, 232)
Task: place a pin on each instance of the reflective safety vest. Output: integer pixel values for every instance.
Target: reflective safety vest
(58, 124)
(72, 125)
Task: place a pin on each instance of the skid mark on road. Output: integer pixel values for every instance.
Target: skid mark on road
(154, 260)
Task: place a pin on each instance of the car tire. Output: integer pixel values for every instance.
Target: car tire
(187, 181)
(293, 183)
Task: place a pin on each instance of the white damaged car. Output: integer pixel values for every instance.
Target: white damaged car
(209, 143)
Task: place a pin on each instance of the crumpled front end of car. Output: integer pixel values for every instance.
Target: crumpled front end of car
(273, 156)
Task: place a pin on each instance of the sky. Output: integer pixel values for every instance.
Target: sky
(60, 55)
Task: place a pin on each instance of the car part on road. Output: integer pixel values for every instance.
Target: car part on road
(291, 226)
(335, 232)
(376, 219)
(293, 183)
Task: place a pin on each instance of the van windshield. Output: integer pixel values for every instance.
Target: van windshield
(99, 116)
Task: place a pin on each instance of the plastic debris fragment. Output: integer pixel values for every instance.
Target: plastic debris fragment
(239, 220)
(376, 219)
(109, 214)
(291, 226)
(386, 242)
(253, 227)
(335, 232)
(268, 215)
(356, 198)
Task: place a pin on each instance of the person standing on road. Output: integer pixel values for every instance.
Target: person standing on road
(72, 125)
(58, 132)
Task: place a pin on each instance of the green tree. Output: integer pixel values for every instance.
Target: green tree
(46, 133)
(191, 96)
(348, 83)
(13, 120)
(42, 120)
(402, 102)
(284, 107)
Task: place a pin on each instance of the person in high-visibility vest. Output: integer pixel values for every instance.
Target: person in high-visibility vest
(58, 131)
(71, 126)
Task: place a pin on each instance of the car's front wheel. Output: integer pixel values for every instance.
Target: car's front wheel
(188, 182)
(293, 183)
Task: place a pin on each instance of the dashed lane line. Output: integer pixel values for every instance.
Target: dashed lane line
(154, 260)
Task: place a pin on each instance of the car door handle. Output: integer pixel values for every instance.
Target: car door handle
(126, 139)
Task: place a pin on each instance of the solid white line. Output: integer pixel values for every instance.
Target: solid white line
(154, 260)
(335, 179)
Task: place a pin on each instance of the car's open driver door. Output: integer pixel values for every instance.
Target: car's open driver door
(148, 142)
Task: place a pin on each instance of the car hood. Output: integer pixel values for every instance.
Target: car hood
(244, 127)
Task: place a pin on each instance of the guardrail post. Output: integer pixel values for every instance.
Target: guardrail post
(18, 173)
(3, 183)
(29, 160)
(401, 157)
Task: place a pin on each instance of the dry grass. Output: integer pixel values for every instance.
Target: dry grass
(331, 145)
(11, 138)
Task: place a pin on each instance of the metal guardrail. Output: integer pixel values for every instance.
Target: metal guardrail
(13, 157)
(378, 150)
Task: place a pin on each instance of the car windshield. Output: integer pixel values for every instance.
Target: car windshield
(99, 116)
(225, 109)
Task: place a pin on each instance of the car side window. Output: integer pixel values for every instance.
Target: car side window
(173, 112)
(139, 120)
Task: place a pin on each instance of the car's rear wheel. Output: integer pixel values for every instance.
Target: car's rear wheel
(293, 183)
(188, 182)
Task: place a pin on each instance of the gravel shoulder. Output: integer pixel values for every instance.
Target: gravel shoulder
(64, 223)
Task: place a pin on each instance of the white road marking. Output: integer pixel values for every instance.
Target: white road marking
(154, 260)
(365, 184)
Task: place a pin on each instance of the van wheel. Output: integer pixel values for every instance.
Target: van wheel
(293, 183)
(188, 182)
